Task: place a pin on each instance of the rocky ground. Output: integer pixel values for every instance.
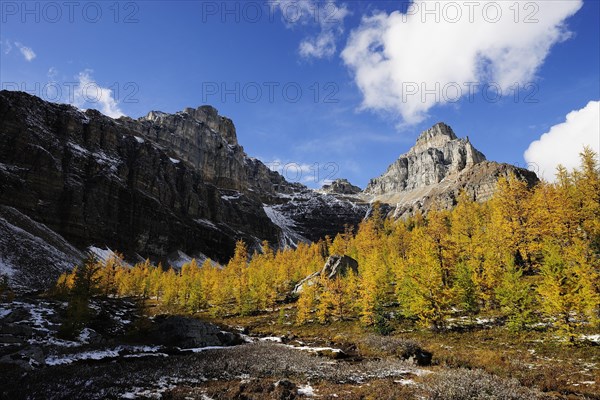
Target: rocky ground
(123, 353)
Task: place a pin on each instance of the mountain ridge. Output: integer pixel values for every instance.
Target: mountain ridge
(171, 187)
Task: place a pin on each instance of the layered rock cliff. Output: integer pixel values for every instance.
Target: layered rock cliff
(165, 186)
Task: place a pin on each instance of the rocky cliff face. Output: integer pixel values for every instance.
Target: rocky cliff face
(435, 170)
(208, 143)
(165, 186)
(99, 181)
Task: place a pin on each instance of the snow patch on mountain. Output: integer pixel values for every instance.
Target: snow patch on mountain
(288, 237)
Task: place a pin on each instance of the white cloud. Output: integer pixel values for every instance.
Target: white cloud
(327, 15)
(27, 52)
(563, 142)
(321, 46)
(6, 46)
(389, 53)
(89, 94)
(52, 74)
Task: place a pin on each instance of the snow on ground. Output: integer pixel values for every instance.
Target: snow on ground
(4, 312)
(156, 393)
(201, 349)
(174, 160)
(6, 269)
(102, 254)
(306, 390)
(102, 354)
(314, 349)
(591, 338)
(275, 339)
(289, 237)
(139, 139)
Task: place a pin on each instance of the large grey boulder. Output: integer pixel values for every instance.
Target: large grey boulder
(335, 266)
(190, 333)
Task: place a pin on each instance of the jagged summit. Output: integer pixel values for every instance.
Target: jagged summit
(435, 169)
(439, 129)
(437, 154)
(207, 115)
(341, 186)
(437, 137)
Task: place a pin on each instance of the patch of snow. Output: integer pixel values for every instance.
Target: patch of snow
(201, 349)
(591, 338)
(87, 355)
(206, 222)
(314, 349)
(230, 198)
(174, 161)
(78, 149)
(275, 339)
(405, 381)
(306, 390)
(4, 312)
(139, 139)
(84, 336)
(100, 354)
(289, 237)
(6, 269)
(102, 254)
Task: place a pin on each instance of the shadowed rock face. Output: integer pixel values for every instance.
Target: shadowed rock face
(99, 181)
(335, 266)
(161, 185)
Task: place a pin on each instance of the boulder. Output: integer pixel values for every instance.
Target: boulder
(187, 333)
(336, 265)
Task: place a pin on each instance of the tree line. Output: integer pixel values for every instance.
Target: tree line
(527, 254)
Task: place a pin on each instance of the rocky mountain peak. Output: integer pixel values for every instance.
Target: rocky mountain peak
(341, 186)
(435, 137)
(435, 169)
(204, 115)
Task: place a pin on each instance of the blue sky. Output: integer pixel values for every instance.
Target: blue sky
(355, 62)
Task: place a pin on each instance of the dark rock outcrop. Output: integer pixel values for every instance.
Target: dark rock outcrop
(189, 333)
(31, 255)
